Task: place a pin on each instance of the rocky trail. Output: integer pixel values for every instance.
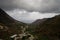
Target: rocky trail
(25, 35)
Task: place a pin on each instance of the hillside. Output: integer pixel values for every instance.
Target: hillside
(9, 26)
(37, 22)
(41, 29)
(48, 30)
(6, 19)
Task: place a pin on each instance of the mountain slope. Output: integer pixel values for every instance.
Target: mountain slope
(49, 29)
(37, 22)
(6, 19)
(9, 25)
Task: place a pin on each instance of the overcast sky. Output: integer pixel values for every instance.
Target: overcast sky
(28, 17)
(30, 10)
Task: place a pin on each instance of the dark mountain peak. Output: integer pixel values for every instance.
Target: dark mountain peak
(5, 18)
(2, 12)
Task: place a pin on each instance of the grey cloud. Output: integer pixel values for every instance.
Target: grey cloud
(7, 4)
(49, 6)
(29, 17)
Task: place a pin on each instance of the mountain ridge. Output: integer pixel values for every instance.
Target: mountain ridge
(48, 30)
(9, 26)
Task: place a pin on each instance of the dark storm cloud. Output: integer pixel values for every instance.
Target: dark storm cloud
(32, 5)
(7, 4)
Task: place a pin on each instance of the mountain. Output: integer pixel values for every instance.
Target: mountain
(6, 19)
(9, 26)
(39, 21)
(36, 23)
(48, 29)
